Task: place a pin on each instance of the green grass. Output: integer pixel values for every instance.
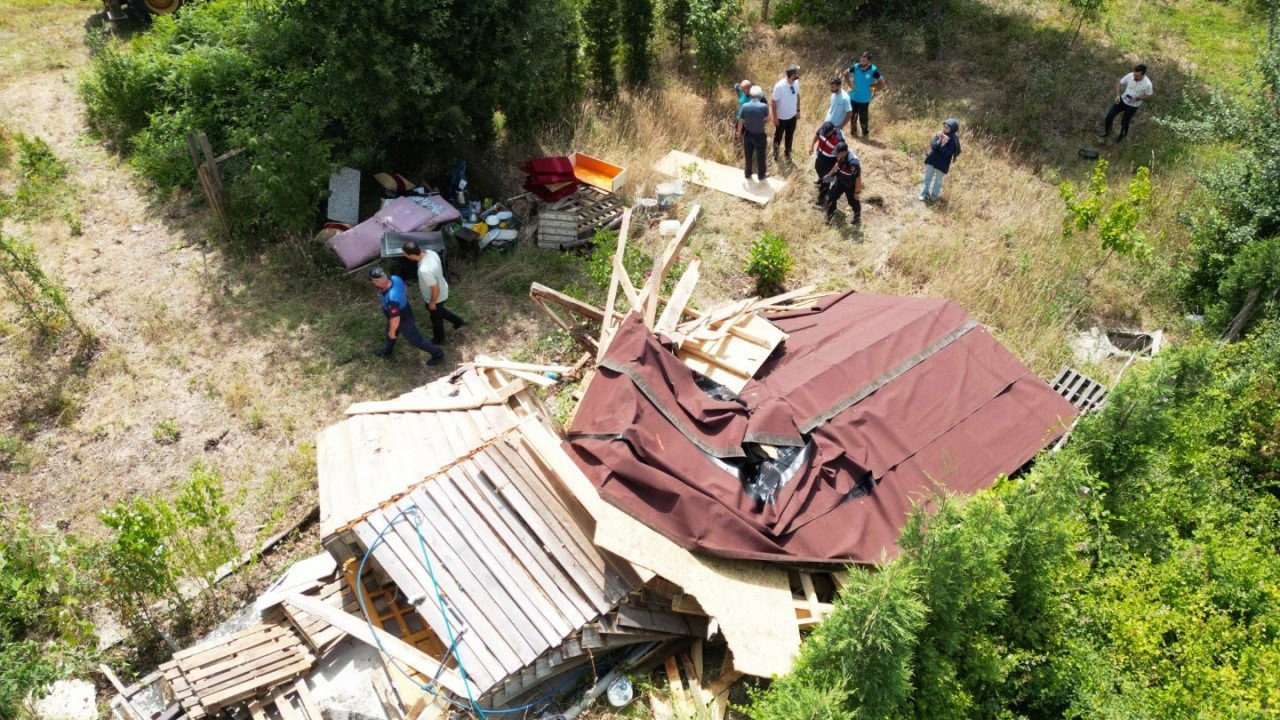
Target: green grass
(1215, 40)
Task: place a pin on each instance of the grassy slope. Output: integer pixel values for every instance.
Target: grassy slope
(277, 346)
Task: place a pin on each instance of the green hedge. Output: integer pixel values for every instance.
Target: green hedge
(304, 84)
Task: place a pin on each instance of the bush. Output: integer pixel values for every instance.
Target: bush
(45, 633)
(302, 85)
(1128, 575)
(769, 262)
(719, 33)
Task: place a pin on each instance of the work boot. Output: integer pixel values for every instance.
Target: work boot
(436, 360)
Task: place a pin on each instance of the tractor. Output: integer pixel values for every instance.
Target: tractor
(139, 9)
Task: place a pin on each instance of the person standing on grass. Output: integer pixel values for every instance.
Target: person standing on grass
(846, 179)
(399, 314)
(864, 79)
(434, 289)
(786, 109)
(841, 110)
(1131, 90)
(752, 118)
(944, 147)
(744, 92)
(825, 142)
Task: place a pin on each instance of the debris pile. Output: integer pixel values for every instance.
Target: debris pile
(720, 469)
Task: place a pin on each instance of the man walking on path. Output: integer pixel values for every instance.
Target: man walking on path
(1131, 90)
(847, 177)
(825, 142)
(864, 79)
(434, 289)
(752, 118)
(786, 109)
(399, 314)
(840, 111)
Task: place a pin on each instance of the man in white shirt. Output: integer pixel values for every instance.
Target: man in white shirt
(434, 289)
(785, 107)
(1131, 90)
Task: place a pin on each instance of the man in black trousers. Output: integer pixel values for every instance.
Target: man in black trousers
(752, 118)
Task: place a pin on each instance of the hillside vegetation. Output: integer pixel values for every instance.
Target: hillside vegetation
(162, 384)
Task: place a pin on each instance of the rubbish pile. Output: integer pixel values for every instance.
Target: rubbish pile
(695, 514)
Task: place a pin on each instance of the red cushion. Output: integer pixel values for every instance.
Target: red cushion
(549, 165)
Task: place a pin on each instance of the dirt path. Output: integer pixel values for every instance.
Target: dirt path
(243, 363)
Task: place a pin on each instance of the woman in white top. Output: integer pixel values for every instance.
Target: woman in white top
(1131, 90)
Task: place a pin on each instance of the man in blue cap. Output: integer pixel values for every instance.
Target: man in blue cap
(399, 314)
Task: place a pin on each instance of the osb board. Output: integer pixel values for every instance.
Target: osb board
(731, 360)
(725, 179)
(750, 600)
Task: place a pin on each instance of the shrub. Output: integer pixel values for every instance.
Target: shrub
(166, 432)
(301, 85)
(769, 262)
(45, 633)
(719, 33)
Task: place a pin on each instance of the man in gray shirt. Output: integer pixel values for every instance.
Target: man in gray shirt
(752, 118)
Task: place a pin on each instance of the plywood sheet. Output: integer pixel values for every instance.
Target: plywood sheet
(750, 600)
(722, 178)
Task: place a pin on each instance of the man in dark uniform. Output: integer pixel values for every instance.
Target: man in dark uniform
(399, 314)
(824, 144)
(847, 176)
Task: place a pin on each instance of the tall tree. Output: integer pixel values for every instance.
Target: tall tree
(600, 18)
(637, 28)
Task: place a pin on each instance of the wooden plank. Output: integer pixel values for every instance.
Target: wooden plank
(487, 593)
(810, 594)
(128, 707)
(628, 289)
(662, 265)
(674, 310)
(390, 644)
(676, 687)
(484, 361)
(308, 703)
(255, 709)
(272, 676)
(516, 538)
(560, 536)
(541, 293)
(247, 673)
(489, 659)
(404, 405)
(469, 595)
(285, 707)
(491, 551)
(695, 682)
(200, 654)
(606, 322)
(718, 177)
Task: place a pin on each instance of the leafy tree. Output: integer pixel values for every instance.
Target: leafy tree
(675, 13)
(718, 32)
(600, 18)
(1235, 231)
(1130, 575)
(637, 29)
(301, 84)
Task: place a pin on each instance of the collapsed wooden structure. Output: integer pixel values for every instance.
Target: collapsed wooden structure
(468, 547)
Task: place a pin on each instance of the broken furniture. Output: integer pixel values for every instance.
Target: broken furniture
(362, 244)
(550, 178)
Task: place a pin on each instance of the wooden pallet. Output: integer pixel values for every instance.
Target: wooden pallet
(288, 702)
(1083, 392)
(208, 677)
(319, 634)
(572, 221)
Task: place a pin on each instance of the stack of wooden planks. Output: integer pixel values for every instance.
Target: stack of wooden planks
(288, 702)
(208, 677)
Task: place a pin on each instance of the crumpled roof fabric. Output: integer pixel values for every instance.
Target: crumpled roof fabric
(900, 397)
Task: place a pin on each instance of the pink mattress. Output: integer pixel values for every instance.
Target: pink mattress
(363, 243)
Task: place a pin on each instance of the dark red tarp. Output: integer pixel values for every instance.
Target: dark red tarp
(897, 397)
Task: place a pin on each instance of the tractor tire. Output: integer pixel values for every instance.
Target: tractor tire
(162, 7)
(138, 9)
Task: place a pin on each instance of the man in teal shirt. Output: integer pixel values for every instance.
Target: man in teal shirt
(865, 79)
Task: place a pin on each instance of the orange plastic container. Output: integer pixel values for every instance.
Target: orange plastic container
(597, 172)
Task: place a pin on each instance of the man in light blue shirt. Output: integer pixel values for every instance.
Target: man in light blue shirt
(841, 109)
(865, 79)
